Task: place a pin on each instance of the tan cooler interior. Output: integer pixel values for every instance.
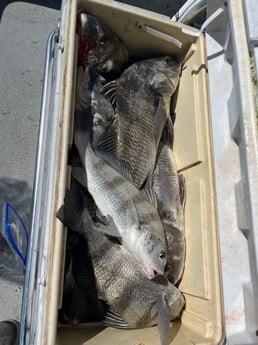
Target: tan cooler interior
(202, 320)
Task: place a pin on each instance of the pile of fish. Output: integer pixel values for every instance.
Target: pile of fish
(125, 207)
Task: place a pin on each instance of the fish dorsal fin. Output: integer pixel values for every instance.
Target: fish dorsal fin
(161, 117)
(182, 189)
(161, 308)
(113, 319)
(109, 90)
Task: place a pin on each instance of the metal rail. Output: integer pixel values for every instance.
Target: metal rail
(38, 195)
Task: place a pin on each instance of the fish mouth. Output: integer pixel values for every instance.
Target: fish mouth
(152, 272)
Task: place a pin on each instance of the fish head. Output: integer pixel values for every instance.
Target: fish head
(166, 77)
(152, 254)
(103, 115)
(99, 46)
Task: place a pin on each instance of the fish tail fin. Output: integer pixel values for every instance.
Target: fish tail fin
(161, 308)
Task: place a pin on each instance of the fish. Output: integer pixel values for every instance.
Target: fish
(100, 47)
(84, 278)
(94, 113)
(137, 221)
(80, 297)
(169, 189)
(133, 300)
(141, 98)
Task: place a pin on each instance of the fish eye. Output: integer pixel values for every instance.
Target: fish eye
(168, 60)
(97, 121)
(162, 255)
(101, 40)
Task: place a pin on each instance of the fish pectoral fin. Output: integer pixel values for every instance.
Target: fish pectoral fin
(161, 308)
(120, 165)
(106, 225)
(167, 193)
(182, 189)
(125, 169)
(168, 133)
(107, 141)
(149, 193)
(161, 117)
(109, 90)
(70, 212)
(113, 319)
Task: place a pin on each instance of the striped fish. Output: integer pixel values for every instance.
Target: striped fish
(136, 220)
(169, 189)
(134, 301)
(141, 98)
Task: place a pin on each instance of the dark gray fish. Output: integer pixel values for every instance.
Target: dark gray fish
(94, 114)
(169, 188)
(100, 47)
(133, 299)
(141, 97)
(84, 278)
(80, 297)
(137, 221)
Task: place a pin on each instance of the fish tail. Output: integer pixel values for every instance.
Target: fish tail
(161, 308)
